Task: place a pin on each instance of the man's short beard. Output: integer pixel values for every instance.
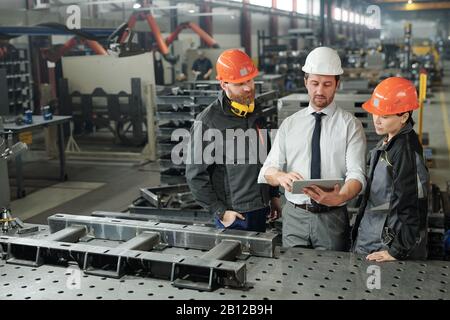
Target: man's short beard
(324, 103)
(243, 99)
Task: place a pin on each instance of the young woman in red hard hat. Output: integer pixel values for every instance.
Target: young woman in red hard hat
(391, 223)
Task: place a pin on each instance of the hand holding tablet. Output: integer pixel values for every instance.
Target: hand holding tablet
(299, 185)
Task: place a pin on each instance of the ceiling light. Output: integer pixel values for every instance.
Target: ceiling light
(136, 6)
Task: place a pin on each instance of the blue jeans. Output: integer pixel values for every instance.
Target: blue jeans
(254, 221)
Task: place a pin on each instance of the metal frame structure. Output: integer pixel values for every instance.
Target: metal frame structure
(138, 250)
(125, 109)
(194, 237)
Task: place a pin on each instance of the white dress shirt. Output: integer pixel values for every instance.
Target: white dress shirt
(342, 147)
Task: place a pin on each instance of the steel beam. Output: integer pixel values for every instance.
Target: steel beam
(47, 31)
(246, 27)
(322, 23)
(71, 234)
(388, 1)
(418, 6)
(226, 250)
(251, 7)
(206, 22)
(273, 25)
(293, 23)
(189, 217)
(144, 241)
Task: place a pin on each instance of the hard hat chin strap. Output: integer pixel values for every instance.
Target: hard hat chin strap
(241, 110)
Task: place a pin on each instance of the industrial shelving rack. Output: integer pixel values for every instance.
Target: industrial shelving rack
(176, 112)
(18, 78)
(283, 58)
(179, 112)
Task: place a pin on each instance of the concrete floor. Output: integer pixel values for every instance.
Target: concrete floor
(92, 186)
(113, 185)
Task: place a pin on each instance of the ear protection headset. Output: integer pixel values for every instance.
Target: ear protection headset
(241, 110)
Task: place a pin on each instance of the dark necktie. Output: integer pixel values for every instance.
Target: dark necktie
(315, 147)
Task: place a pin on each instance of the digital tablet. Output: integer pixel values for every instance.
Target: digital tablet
(299, 185)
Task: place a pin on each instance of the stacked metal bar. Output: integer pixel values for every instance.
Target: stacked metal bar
(349, 102)
(18, 77)
(176, 112)
(174, 204)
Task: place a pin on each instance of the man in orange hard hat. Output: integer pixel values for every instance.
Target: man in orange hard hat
(225, 182)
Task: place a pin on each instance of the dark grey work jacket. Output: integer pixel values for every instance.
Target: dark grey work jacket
(227, 181)
(393, 213)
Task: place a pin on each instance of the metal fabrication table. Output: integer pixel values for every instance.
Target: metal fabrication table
(295, 273)
(39, 122)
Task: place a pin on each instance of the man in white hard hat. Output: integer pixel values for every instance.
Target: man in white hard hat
(319, 142)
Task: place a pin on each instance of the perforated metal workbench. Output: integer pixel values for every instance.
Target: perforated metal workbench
(294, 274)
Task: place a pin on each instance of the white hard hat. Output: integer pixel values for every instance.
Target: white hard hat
(323, 61)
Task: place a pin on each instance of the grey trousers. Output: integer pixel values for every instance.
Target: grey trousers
(323, 231)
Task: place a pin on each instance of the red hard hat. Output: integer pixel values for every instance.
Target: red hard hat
(391, 96)
(235, 66)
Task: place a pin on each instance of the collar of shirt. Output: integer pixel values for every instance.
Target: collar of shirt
(329, 110)
(384, 144)
(226, 105)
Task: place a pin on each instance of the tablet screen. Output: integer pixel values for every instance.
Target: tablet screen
(299, 185)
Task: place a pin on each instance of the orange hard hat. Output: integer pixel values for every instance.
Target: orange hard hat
(235, 66)
(391, 96)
